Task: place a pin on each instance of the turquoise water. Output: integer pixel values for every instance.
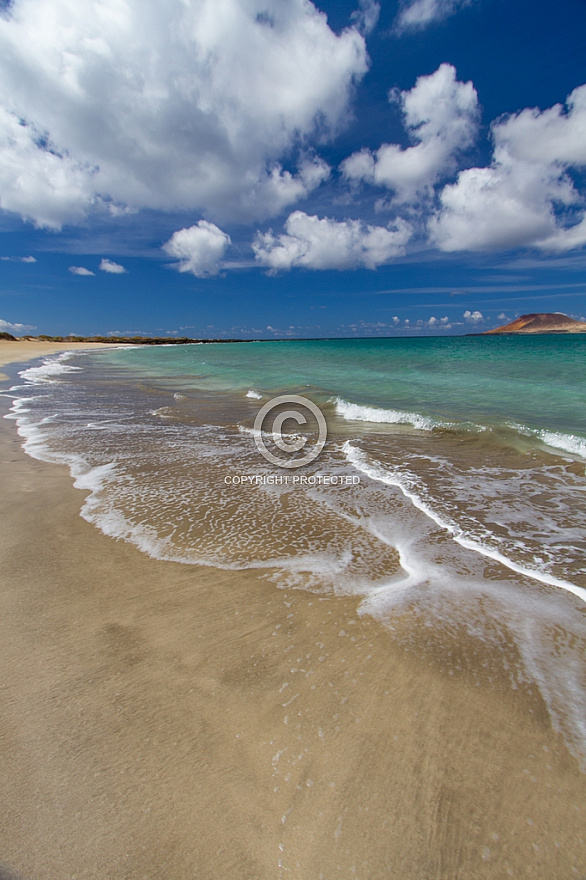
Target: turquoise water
(539, 381)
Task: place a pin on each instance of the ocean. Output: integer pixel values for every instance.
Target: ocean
(451, 485)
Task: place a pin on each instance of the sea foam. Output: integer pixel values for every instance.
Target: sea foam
(569, 443)
(49, 370)
(376, 471)
(354, 412)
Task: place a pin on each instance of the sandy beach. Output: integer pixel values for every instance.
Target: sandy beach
(165, 720)
(25, 350)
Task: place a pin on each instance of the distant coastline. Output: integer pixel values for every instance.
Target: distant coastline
(117, 340)
(532, 323)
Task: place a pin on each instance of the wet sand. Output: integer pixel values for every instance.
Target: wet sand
(162, 720)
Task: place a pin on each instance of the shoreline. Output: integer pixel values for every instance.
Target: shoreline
(23, 351)
(160, 719)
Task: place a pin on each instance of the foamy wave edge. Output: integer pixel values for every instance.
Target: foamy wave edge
(51, 367)
(362, 463)
(570, 444)
(355, 412)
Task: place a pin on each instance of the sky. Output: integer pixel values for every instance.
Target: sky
(283, 168)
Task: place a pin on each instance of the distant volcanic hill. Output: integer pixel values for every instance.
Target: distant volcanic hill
(541, 322)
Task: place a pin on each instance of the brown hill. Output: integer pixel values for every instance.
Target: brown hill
(541, 322)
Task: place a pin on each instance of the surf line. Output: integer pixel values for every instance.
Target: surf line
(360, 461)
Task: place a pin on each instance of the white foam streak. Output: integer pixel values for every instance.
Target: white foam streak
(571, 443)
(254, 394)
(49, 370)
(412, 575)
(19, 405)
(354, 412)
(376, 472)
(244, 430)
(92, 480)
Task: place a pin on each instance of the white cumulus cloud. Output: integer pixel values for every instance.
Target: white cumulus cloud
(187, 104)
(322, 243)
(112, 267)
(420, 13)
(37, 181)
(557, 134)
(441, 115)
(80, 270)
(526, 196)
(199, 249)
(473, 317)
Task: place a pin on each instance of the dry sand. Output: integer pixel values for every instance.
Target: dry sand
(168, 721)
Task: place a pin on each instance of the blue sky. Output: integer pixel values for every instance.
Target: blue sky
(240, 168)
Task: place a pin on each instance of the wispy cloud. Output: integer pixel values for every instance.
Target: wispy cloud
(419, 14)
(487, 288)
(80, 270)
